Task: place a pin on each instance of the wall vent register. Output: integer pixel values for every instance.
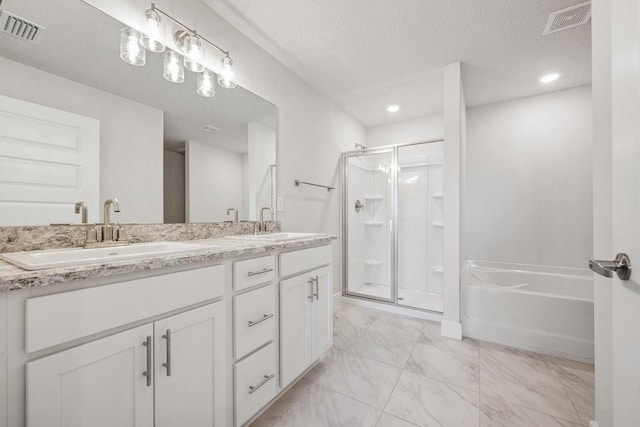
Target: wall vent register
(19, 27)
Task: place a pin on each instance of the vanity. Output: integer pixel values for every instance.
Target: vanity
(207, 337)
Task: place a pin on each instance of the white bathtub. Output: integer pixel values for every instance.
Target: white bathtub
(538, 308)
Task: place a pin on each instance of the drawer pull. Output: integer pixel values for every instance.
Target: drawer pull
(264, 270)
(167, 364)
(317, 292)
(261, 383)
(264, 317)
(147, 373)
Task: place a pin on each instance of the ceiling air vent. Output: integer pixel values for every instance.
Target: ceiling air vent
(570, 17)
(20, 27)
(210, 129)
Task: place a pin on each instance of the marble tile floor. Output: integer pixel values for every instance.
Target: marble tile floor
(387, 370)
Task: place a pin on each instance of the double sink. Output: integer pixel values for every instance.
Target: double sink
(42, 259)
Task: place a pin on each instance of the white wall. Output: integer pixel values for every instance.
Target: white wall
(528, 184)
(311, 130)
(415, 130)
(130, 172)
(174, 190)
(214, 183)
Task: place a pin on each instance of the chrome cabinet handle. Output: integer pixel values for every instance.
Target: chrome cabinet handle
(253, 388)
(264, 317)
(167, 364)
(621, 266)
(317, 292)
(255, 273)
(311, 294)
(147, 373)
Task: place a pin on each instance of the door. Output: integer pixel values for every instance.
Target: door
(99, 384)
(321, 313)
(189, 368)
(369, 180)
(626, 208)
(616, 48)
(49, 160)
(295, 327)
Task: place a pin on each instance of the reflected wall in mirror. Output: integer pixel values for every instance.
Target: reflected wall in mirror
(79, 124)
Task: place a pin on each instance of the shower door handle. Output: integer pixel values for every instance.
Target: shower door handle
(621, 266)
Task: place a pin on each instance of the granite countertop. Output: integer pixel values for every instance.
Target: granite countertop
(14, 278)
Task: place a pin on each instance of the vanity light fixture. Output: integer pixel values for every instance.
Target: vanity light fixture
(173, 69)
(131, 51)
(549, 78)
(191, 55)
(206, 83)
(393, 108)
(152, 32)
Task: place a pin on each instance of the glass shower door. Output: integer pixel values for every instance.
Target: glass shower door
(420, 226)
(369, 179)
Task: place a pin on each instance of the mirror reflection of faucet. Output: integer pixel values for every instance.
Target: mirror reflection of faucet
(235, 214)
(82, 209)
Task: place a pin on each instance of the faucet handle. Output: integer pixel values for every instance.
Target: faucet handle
(121, 233)
(91, 236)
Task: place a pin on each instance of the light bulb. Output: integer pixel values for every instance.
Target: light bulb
(206, 83)
(226, 78)
(130, 50)
(193, 53)
(152, 34)
(173, 69)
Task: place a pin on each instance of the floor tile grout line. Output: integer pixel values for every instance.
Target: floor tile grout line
(290, 406)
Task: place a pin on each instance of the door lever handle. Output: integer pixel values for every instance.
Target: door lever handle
(621, 266)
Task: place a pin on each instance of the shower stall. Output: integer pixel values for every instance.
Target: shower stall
(393, 224)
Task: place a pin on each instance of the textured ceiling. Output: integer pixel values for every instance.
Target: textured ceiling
(367, 54)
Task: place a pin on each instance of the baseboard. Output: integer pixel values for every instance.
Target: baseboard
(593, 423)
(451, 329)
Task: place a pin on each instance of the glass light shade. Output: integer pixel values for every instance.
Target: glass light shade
(173, 69)
(152, 32)
(193, 53)
(206, 83)
(226, 78)
(131, 51)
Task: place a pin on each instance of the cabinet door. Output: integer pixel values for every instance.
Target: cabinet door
(99, 384)
(321, 313)
(189, 368)
(295, 327)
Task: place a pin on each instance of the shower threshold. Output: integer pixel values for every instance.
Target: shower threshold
(406, 297)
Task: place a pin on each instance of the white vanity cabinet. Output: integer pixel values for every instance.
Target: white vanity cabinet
(306, 315)
(163, 373)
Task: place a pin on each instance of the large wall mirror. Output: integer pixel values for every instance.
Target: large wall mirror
(79, 124)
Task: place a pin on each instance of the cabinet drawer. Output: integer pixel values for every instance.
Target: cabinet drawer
(305, 259)
(255, 383)
(252, 272)
(254, 315)
(59, 318)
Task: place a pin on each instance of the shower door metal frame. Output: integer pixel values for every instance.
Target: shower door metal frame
(344, 223)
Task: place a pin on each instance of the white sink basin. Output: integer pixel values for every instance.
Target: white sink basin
(38, 260)
(274, 237)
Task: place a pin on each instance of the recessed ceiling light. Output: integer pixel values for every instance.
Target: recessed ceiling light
(549, 78)
(393, 108)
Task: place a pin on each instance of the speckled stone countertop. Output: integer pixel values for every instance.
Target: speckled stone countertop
(14, 278)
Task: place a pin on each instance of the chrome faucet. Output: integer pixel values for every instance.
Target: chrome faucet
(263, 226)
(81, 208)
(235, 214)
